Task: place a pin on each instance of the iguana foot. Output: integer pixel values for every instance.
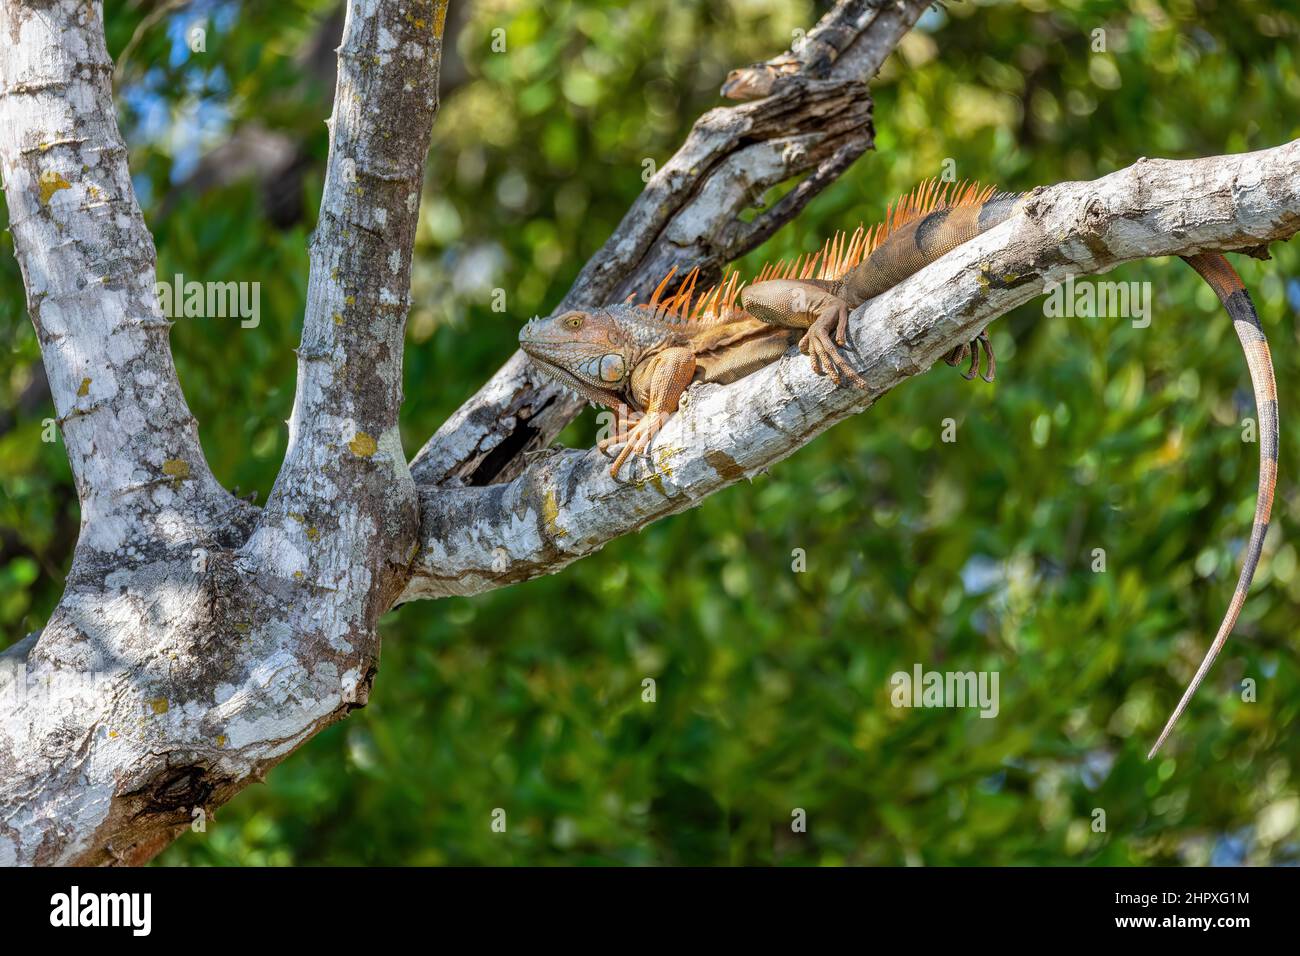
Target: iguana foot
(824, 342)
(624, 420)
(637, 438)
(971, 350)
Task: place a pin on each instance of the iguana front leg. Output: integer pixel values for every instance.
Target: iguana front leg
(808, 304)
(662, 378)
(625, 416)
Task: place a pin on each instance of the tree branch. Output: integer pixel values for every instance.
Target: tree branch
(687, 216)
(89, 265)
(344, 501)
(839, 45)
(566, 505)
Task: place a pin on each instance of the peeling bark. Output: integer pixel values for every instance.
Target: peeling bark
(839, 42)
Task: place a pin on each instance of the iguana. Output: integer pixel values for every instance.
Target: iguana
(639, 358)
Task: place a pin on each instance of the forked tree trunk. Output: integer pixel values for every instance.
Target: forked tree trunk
(200, 640)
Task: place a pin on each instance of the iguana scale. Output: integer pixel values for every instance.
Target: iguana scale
(639, 358)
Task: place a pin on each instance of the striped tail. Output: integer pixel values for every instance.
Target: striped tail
(1227, 285)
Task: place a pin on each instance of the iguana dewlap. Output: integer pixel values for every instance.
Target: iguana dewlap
(639, 359)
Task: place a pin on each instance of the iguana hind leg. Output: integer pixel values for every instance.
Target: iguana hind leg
(824, 343)
(808, 304)
(812, 305)
(971, 350)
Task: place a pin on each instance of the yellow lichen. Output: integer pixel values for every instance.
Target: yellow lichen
(363, 446)
(159, 705)
(84, 390)
(176, 468)
(551, 514)
(313, 534)
(221, 740)
(664, 456)
(654, 480)
(50, 183)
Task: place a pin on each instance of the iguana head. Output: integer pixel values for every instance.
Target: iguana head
(594, 351)
(587, 351)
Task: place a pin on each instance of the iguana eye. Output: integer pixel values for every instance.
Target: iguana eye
(573, 320)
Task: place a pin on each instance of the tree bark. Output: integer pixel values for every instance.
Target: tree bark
(199, 640)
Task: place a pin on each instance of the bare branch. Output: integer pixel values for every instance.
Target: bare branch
(566, 505)
(839, 45)
(88, 264)
(344, 500)
(687, 216)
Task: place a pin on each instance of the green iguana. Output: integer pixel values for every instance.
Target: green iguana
(639, 358)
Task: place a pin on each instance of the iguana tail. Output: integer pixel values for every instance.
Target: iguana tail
(1227, 285)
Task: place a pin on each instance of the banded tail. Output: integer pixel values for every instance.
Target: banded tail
(1227, 285)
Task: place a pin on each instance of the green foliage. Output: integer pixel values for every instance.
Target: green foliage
(773, 687)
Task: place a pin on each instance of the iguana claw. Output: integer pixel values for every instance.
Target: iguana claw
(992, 365)
(824, 348)
(971, 350)
(637, 439)
(623, 424)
